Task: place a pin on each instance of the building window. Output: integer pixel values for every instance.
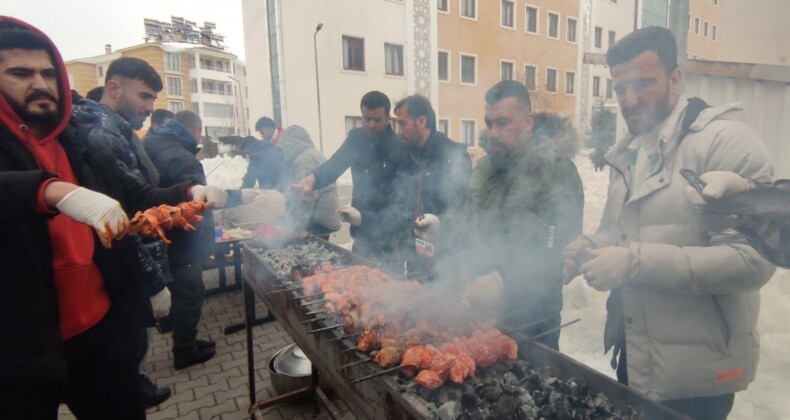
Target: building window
(443, 126)
(353, 53)
(507, 19)
(172, 61)
(506, 69)
(598, 36)
(469, 8)
(612, 36)
(531, 20)
(696, 25)
(713, 32)
(553, 29)
(570, 83)
(570, 30)
(393, 59)
(705, 29)
(551, 80)
(468, 69)
(442, 5)
(530, 76)
(352, 123)
(218, 110)
(100, 70)
(175, 106)
(174, 86)
(468, 132)
(608, 88)
(444, 66)
(596, 86)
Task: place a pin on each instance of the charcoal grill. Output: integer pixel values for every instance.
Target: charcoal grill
(383, 397)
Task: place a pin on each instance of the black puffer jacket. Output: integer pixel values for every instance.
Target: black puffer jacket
(375, 165)
(266, 167)
(172, 149)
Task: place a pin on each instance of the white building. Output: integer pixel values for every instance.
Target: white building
(362, 46)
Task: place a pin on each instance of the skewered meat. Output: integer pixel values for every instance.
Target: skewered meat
(429, 379)
(367, 341)
(151, 221)
(387, 357)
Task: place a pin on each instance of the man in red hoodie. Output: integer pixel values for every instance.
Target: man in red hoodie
(71, 301)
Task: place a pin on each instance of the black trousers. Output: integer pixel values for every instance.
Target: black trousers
(699, 408)
(187, 296)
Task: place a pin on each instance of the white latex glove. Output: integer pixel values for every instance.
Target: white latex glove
(607, 268)
(428, 222)
(574, 256)
(215, 197)
(101, 212)
(723, 183)
(350, 215)
(160, 303)
(248, 195)
(485, 289)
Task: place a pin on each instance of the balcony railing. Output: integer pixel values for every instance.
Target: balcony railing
(214, 68)
(217, 92)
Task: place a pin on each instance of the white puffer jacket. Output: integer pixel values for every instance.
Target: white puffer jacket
(691, 302)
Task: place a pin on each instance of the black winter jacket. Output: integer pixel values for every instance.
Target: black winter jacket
(375, 165)
(266, 167)
(172, 149)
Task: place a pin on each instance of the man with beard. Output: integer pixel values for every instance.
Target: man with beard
(375, 155)
(525, 204)
(70, 299)
(435, 183)
(127, 99)
(684, 300)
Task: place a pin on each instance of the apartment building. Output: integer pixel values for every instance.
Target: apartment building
(704, 29)
(202, 78)
(483, 42)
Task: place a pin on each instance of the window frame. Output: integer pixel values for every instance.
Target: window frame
(611, 37)
(568, 19)
(512, 13)
(446, 121)
(556, 80)
(462, 140)
(167, 61)
(512, 68)
(713, 32)
(180, 86)
(461, 10)
(447, 67)
(446, 10)
(572, 84)
(609, 94)
(549, 13)
(535, 77)
(170, 107)
(343, 54)
(461, 56)
(598, 37)
(386, 57)
(596, 86)
(537, 19)
(696, 25)
(705, 28)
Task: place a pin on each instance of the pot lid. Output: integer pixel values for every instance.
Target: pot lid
(292, 361)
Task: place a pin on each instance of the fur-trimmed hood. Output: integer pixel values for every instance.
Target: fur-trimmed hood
(553, 137)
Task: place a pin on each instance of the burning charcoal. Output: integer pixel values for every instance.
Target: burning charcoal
(491, 393)
(449, 411)
(503, 366)
(526, 411)
(534, 382)
(510, 378)
(469, 401)
(600, 400)
(427, 394)
(573, 388)
(506, 407)
(446, 394)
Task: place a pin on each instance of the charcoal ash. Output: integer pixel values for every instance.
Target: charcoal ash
(303, 256)
(515, 390)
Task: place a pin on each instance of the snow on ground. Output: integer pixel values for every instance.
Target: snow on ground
(768, 397)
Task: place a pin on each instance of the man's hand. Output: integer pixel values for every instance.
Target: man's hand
(215, 197)
(305, 186)
(248, 195)
(429, 222)
(723, 183)
(97, 210)
(486, 289)
(607, 268)
(574, 256)
(160, 303)
(350, 215)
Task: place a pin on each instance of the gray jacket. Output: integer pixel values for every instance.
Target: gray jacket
(691, 303)
(302, 159)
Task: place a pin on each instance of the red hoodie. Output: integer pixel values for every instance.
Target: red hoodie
(82, 298)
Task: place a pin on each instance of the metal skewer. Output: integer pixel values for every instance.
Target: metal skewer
(319, 311)
(383, 372)
(332, 327)
(342, 337)
(358, 362)
(287, 289)
(320, 318)
(312, 302)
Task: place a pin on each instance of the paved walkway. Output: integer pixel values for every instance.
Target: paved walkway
(217, 389)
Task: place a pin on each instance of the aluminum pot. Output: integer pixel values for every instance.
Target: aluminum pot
(289, 369)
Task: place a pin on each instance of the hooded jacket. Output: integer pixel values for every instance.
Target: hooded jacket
(172, 148)
(689, 307)
(266, 167)
(302, 159)
(522, 216)
(28, 300)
